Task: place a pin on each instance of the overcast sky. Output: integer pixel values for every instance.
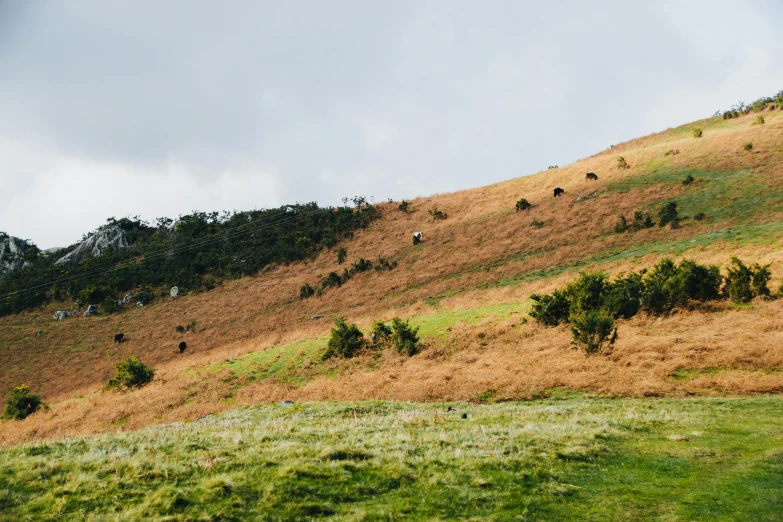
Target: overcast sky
(159, 108)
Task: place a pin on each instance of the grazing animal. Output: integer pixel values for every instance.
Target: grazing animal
(417, 237)
(182, 346)
(590, 176)
(118, 338)
(559, 191)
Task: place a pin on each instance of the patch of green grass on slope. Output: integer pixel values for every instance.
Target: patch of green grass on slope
(553, 459)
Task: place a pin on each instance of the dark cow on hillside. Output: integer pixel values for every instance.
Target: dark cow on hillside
(559, 191)
(590, 176)
(118, 338)
(182, 346)
(417, 237)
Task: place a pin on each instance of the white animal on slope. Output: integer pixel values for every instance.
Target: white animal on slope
(417, 237)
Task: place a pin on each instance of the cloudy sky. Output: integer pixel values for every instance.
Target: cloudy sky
(159, 108)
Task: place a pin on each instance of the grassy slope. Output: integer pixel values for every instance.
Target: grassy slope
(557, 459)
(467, 285)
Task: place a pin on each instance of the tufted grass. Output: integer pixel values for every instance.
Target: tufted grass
(572, 457)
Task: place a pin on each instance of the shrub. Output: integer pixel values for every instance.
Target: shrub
(759, 120)
(743, 283)
(381, 331)
(550, 309)
(700, 216)
(342, 253)
(180, 329)
(667, 214)
(111, 305)
(587, 292)
(688, 180)
(21, 403)
(306, 291)
(191, 326)
(621, 226)
(437, 214)
(748, 146)
(697, 132)
(523, 204)
(404, 338)
(668, 285)
(131, 373)
(697, 282)
(345, 340)
(145, 295)
(384, 264)
(333, 279)
(641, 221)
(361, 266)
(622, 298)
(622, 164)
(537, 224)
(403, 206)
(95, 294)
(672, 152)
(592, 331)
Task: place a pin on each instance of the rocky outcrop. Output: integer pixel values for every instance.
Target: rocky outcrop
(14, 253)
(106, 238)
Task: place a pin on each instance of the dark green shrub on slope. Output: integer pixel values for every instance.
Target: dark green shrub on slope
(21, 403)
(131, 373)
(345, 340)
(743, 283)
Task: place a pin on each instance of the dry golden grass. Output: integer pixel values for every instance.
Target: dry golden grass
(462, 260)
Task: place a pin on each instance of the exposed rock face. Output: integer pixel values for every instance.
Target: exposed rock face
(59, 315)
(12, 253)
(107, 238)
(91, 310)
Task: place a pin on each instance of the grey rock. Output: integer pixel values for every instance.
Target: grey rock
(127, 299)
(139, 303)
(581, 198)
(106, 238)
(91, 310)
(13, 252)
(59, 315)
(174, 291)
(50, 251)
(285, 403)
(315, 317)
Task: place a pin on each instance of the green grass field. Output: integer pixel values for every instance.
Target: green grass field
(563, 458)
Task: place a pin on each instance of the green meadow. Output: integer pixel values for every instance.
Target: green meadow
(568, 457)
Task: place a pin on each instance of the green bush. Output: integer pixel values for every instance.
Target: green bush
(697, 132)
(403, 206)
(743, 283)
(748, 146)
(641, 221)
(404, 338)
(21, 403)
(111, 305)
(700, 216)
(667, 214)
(385, 264)
(537, 224)
(131, 373)
(550, 309)
(361, 266)
(180, 329)
(342, 253)
(622, 298)
(95, 294)
(333, 279)
(622, 164)
(345, 340)
(381, 331)
(191, 327)
(759, 120)
(688, 180)
(306, 291)
(523, 204)
(668, 286)
(621, 226)
(592, 331)
(437, 214)
(586, 293)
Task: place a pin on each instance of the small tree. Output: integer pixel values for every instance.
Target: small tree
(668, 214)
(697, 132)
(342, 253)
(403, 206)
(437, 214)
(748, 146)
(131, 373)
(743, 283)
(622, 298)
(759, 120)
(404, 338)
(333, 279)
(361, 266)
(523, 204)
(21, 403)
(306, 291)
(622, 164)
(345, 340)
(592, 331)
(688, 180)
(550, 309)
(621, 226)
(381, 332)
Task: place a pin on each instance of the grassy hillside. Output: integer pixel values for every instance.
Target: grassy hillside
(468, 286)
(558, 459)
